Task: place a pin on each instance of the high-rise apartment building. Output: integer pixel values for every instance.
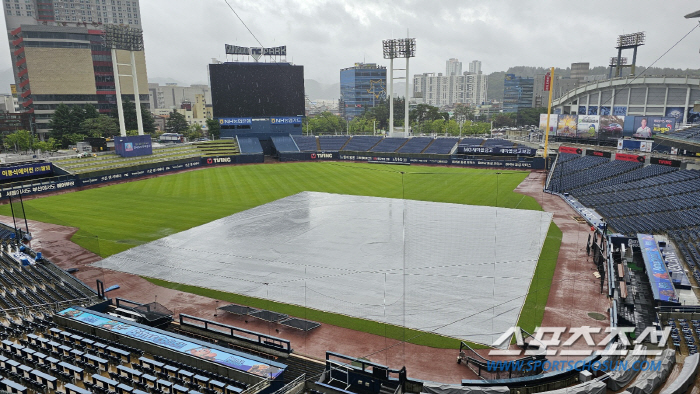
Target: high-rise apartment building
(58, 54)
(475, 67)
(454, 67)
(361, 87)
(447, 90)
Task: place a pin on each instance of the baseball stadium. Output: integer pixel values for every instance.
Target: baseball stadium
(271, 261)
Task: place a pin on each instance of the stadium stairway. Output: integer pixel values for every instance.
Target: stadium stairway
(218, 148)
(110, 160)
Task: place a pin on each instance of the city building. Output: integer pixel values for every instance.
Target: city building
(172, 95)
(454, 67)
(361, 87)
(517, 93)
(475, 67)
(447, 90)
(579, 71)
(579, 76)
(58, 55)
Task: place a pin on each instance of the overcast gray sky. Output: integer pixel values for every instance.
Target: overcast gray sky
(181, 36)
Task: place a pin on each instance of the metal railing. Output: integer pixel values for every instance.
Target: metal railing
(293, 386)
(257, 387)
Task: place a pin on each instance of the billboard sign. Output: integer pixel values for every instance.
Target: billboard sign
(233, 360)
(547, 82)
(665, 162)
(491, 150)
(620, 111)
(598, 153)
(286, 120)
(648, 126)
(660, 281)
(588, 126)
(235, 121)
(568, 149)
(553, 118)
(676, 113)
(256, 52)
(567, 125)
(693, 116)
(628, 157)
(611, 127)
(25, 170)
(139, 145)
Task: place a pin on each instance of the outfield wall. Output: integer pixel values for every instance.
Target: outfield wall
(526, 163)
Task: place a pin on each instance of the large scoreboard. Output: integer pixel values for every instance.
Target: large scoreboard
(257, 90)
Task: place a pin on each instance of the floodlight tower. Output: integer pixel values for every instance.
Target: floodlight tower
(129, 39)
(628, 41)
(396, 49)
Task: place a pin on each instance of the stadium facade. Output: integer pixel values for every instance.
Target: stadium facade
(361, 87)
(641, 96)
(58, 55)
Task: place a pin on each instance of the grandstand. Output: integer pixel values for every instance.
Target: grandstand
(112, 161)
(249, 145)
(389, 145)
(284, 143)
(362, 143)
(306, 143)
(415, 145)
(332, 143)
(442, 146)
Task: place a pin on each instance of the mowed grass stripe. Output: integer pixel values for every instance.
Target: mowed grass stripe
(118, 217)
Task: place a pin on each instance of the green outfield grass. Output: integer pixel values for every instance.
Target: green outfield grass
(115, 218)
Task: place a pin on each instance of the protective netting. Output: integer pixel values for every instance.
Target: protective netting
(458, 270)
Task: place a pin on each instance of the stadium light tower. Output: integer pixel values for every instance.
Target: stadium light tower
(628, 41)
(126, 39)
(396, 49)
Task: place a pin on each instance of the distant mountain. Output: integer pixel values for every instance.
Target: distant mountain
(319, 91)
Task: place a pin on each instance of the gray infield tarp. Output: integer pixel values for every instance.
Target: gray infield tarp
(687, 376)
(436, 388)
(648, 381)
(461, 271)
(621, 377)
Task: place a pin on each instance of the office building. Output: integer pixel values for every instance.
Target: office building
(361, 87)
(517, 93)
(171, 95)
(58, 55)
(454, 67)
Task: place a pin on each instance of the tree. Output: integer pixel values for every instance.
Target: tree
(101, 126)
(50, 145)
(194, 132)
(176, 123)
(21, 140)
(504, 120)
(464, 112)
(215, 128)
(131, 120)
(327, 123)
(530, 116)
(62, 123)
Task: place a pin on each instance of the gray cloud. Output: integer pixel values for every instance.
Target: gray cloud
(326, 35)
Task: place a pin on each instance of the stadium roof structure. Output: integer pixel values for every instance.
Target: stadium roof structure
(695, 14)
(457, 270)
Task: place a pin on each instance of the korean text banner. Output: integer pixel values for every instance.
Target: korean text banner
(661, 285)
(648, 126)
(172, 343)
(26, 170)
